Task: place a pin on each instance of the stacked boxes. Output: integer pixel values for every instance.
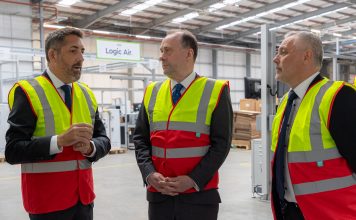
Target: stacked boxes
(244, 128)
(250, 105)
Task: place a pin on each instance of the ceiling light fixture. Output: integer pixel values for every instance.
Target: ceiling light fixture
(143, 36)
(222, 4)
(101, 32)
(305, 19)
(286, 6)
(53, 26)
(67, 2)
(140, 7)
(185, 17)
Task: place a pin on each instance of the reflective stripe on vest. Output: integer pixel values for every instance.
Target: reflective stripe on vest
(199, 126)
(90, 103)
(48, 115)
(60, 166)
(324, 185)
(185, 152)
(318, 152)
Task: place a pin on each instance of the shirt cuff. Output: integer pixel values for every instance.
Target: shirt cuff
(54, 148)
(148, 183)
(94, 150)
(196, 187)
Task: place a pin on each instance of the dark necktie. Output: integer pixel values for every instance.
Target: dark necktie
(67, 97)
(280, 154)
(176, 92)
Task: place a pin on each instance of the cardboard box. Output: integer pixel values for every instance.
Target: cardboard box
(248, 104)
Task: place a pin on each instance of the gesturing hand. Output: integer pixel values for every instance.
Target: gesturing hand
(77, 133)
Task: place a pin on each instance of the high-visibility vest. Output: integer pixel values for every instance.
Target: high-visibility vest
(180, 133)
(323, 183)
(56, 184)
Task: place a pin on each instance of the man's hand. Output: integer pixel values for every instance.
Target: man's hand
(77, 133)
(179, 184)
(84, 148)
(158, 181)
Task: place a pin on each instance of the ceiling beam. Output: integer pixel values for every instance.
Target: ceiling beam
(164, 19)
(335, 23)
(90, 19)
(293, 19)
(244, 15)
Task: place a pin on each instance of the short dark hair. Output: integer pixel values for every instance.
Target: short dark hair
(55, 39)
(188, 40)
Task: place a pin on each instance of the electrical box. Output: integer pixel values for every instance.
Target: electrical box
(260, 171)
(111, 121)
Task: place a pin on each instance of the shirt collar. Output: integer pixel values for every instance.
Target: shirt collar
(186, 82)
(302, 88)
(56, 82)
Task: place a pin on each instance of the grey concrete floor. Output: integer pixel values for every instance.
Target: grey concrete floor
(121, 196)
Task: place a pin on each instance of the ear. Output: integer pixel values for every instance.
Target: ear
(190, 53)
(52, 55)
(308, 56)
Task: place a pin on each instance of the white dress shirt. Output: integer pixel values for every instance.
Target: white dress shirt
(54, 148)
(185, 83)
(300, 90)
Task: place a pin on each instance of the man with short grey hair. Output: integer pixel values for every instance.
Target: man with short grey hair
(313, 137)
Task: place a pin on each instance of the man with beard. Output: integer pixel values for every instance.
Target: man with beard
(183, 135)
(55, 134)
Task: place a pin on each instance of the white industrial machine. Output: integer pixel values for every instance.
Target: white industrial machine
(111, 120)
(260, 175)
(4, 114)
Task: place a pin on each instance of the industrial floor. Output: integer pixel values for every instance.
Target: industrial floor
(121, 196)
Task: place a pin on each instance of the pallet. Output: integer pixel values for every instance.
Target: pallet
(118, 150)
(2, 158)
(241, 144)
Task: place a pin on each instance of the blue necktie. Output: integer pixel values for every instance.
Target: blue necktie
(280, 154)
(176, 92)
(67, 97)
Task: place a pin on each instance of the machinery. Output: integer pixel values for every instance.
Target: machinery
(111, 120)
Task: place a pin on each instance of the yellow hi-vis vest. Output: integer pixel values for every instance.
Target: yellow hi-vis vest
(321, 177)
(59, 183)
(180, 133)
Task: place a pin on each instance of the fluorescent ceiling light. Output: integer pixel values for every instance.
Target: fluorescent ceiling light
(143, 36)
(337, 35)
(53, 26)
(67, 2)
(230, 2)
(315, 31)
(222, 4)
(185, 17)
(140, 7)
(305, 19)
(216, 6)
(100, 32)
(262, 14)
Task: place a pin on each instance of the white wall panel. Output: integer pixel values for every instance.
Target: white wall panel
(16, 31)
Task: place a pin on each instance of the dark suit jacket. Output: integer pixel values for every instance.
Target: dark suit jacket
(220, 136)
(342, 128)
(20, 148)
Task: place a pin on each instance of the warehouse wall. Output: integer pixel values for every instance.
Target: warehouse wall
(231, 65)
(16, 31)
